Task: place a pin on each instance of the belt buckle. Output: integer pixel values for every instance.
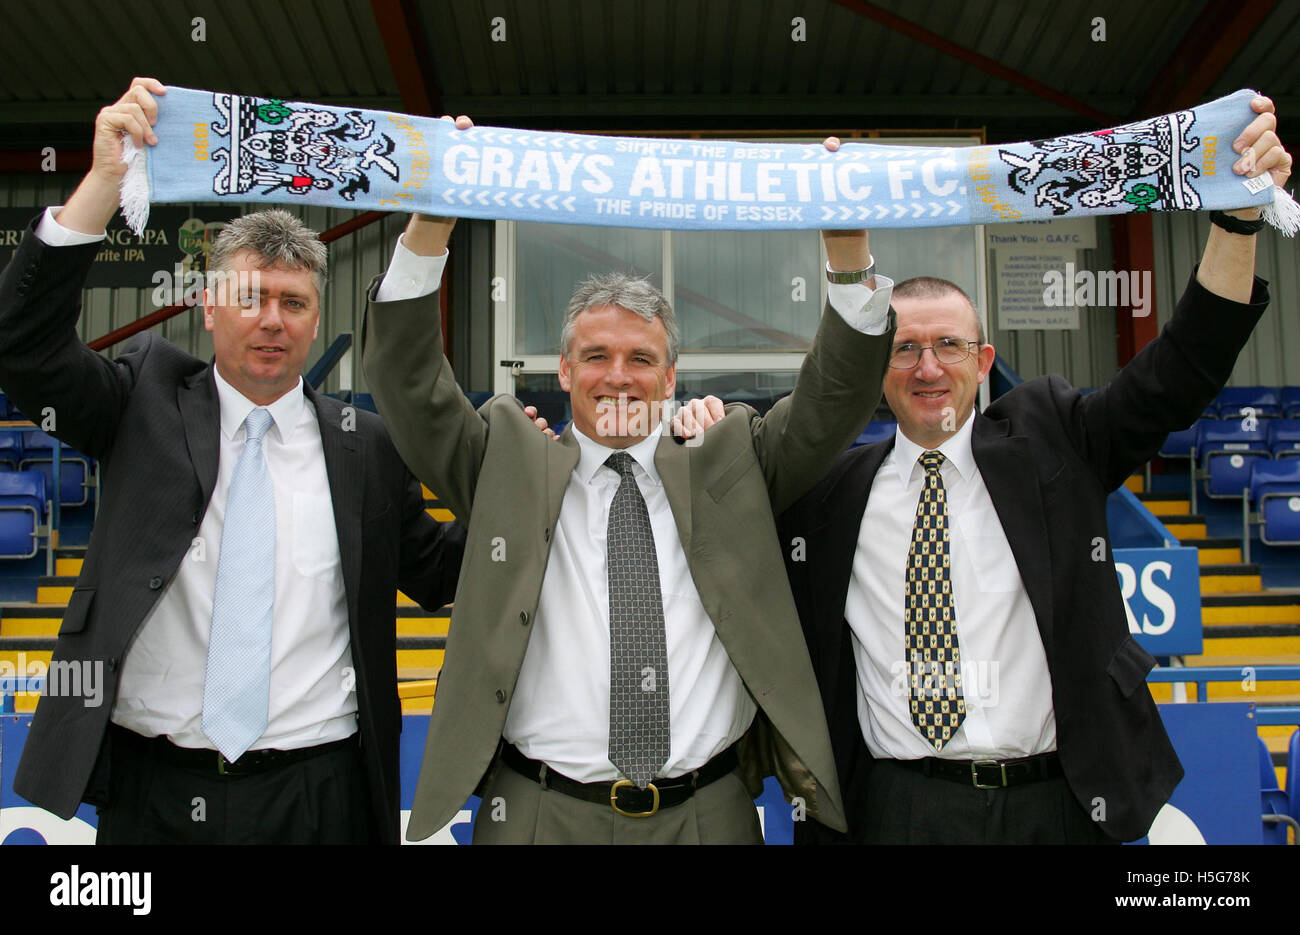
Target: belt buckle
(613, 799)
(225, 767)
(975, 776)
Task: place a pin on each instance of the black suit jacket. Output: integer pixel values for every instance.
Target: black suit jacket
(151, 417)
(1049, 457)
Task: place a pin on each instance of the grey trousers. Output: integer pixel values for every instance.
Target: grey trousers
(516, 810)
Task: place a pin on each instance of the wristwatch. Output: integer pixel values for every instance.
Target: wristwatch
(1236, 225)
(851, 277)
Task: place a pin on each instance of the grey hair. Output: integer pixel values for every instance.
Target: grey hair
(634, 293)
(931, 287)
(277, 239)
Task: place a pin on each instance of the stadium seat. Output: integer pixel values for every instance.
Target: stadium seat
(22, 512)
(1284, 438)
(1179, 444)
(1262, 401)
(1275, 494)
(1290, 401)
(1224, 453)
(1272, 800)
(74, 467)
(11, 448)
(875, 432)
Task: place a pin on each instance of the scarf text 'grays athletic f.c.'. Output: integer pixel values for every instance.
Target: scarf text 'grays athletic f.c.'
(227, 147)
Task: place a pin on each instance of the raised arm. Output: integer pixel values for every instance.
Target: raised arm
(44, 367)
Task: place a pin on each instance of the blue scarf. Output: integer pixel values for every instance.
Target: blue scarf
(225, 147)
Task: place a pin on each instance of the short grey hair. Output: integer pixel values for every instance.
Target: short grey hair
(634, 293)
(278, 239)
(932, 287)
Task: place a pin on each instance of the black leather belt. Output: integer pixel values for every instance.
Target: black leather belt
(622, 796)
(211, 761)
(988, 774)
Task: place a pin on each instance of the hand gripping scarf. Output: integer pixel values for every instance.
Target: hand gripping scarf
(225, 147)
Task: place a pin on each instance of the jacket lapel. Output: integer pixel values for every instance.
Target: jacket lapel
(201, 416)
(561, 459)
(674, 466)
(836, 521)
(1009, 471)
(346, 471)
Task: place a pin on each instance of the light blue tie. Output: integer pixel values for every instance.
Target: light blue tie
(236, 689)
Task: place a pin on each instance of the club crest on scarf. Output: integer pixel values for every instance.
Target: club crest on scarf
(274, 148)
(1141, 164)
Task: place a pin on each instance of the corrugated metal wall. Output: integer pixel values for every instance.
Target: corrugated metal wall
(1272, 358)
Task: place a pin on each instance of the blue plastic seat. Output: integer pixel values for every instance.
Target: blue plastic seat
(1262, 401)
(1284, 438)
(875, 432)
(1275, 493)
(1179, 444)
(22, 510)
(1226, 451)
(11, 448)
(1272, 800)
(1289, 399)
(74, 467)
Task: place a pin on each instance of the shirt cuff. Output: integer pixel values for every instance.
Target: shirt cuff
(53, 234)
(864, 309)
(410, 275)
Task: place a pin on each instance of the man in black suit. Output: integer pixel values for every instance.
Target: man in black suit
(956, 589)
(285, 733)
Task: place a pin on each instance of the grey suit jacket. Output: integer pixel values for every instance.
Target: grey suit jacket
(497, 473)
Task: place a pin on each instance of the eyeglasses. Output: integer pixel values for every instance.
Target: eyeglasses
(946, 351)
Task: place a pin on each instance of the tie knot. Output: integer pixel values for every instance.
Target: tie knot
(255, 426)
(620, 461)
(930, 460)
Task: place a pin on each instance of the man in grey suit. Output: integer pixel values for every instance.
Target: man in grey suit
(624, 663)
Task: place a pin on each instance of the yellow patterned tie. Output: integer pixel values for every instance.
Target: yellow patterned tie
(933, 656)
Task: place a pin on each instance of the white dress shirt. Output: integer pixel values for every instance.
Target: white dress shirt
(560, 710)
(312, 700)
(312, 697)
(1006, 683)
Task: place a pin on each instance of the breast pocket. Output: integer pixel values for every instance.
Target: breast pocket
(315, 540)
(986, 547)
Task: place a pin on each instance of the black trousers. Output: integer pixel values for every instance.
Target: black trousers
(897, 805)
(318, 800)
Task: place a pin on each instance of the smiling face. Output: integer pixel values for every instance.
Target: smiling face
(617, 375)
(263, 322)
(932, 400)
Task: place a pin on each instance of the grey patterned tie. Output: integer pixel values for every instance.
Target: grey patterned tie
(638, 649)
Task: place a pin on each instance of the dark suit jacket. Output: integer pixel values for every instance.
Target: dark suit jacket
(151, 417)
(1049, 457)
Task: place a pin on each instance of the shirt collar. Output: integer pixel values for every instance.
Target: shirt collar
(956, 451)
(286, 411)
(593, 454)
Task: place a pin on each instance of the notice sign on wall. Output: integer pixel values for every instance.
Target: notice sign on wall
(1023, 301)
(1030, 256)
(175, 236)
